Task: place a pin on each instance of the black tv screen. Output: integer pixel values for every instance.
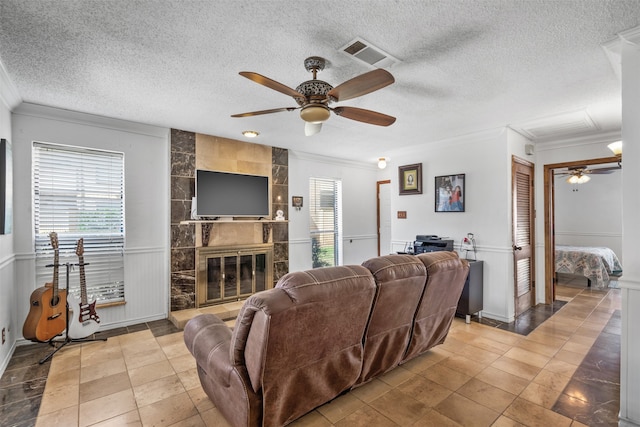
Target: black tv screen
(231, 194)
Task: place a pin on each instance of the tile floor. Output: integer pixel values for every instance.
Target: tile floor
(481, 376)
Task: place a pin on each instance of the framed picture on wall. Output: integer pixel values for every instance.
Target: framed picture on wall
(410, 179)
(450, 193)
(6, 187)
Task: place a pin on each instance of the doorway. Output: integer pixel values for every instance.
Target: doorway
(549, 220)
(383, 194)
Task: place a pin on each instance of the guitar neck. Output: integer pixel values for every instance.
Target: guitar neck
(83, 281)
(55, 272)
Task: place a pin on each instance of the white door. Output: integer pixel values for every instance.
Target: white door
(384, 217)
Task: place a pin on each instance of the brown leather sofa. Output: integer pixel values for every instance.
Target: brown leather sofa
(321, 332)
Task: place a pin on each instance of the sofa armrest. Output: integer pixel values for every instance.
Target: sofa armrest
(209, 340)
(207, 337)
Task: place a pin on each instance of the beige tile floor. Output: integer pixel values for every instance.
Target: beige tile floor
(481, 376)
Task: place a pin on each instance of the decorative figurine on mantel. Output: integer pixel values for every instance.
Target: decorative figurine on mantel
(279, 215)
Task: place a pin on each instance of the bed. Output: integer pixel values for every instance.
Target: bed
(597, 264)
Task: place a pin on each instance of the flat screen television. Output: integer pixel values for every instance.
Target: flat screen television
(225, 194)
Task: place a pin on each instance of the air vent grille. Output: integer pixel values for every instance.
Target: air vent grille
(365, 52)
(355, 47)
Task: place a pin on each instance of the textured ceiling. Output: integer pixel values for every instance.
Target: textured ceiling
(466, 66)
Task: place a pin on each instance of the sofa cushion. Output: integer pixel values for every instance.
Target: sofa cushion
(400, 281)
(446, 274)
(303, 339)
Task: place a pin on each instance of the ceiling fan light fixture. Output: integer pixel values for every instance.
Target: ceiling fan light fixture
(315, 113)
(250, 133)
(578, 179)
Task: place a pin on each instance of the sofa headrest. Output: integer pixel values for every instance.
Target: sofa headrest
(441, 260)
(394, 267)
(302, 286)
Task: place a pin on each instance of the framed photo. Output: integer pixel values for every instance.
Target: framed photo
(296, 202)
(6, 187)
(450, 193)
(410, 179)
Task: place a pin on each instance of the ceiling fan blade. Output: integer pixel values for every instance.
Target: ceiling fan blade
(362, 85)
(606, 170)
(312, 128)
(271, 84)
(365, 116)
(257, 113)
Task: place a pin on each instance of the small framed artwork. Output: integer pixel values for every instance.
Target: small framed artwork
(410, 179)
(6, 187)
(450, 193)
(296, 202)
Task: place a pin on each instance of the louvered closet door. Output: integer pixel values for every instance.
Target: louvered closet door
(523, 235)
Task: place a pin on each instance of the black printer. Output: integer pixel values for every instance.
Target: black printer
(431, 243)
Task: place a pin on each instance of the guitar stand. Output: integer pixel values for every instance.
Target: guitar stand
(66, 340)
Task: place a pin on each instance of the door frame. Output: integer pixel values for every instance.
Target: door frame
(378, 184)
(549, 220)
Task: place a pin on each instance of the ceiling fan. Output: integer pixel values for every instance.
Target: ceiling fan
(314, 96)
(580, 174)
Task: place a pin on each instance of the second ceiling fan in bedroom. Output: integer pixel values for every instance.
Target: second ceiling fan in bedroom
(314, 96)
(580, 174)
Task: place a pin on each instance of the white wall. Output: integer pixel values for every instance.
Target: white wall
(630, 281)
(485, 159)
(8, 316)
(146, 154)
(360, 239)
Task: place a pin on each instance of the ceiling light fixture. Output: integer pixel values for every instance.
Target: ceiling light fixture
(250, 133)
(382, 162)
(315, 113)
(578, 179)
(616, 148)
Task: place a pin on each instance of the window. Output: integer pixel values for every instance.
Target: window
(325, 209)
(78, 193)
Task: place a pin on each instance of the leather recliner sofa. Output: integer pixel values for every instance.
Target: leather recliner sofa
(321, 332)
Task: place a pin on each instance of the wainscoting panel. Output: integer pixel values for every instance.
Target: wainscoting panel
(146, 275)
(7, 312)
(146, 272)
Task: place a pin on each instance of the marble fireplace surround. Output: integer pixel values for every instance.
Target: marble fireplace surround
(191, 151)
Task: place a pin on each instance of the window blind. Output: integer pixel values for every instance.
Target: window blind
(325, 221)
(79, 193)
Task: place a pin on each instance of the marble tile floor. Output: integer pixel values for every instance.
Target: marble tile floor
(481, 376)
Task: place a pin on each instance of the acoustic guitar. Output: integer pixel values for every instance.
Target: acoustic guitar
(83, 321)
(47, 316)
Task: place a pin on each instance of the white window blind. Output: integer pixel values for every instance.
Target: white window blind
(80, 193)
(325, 222)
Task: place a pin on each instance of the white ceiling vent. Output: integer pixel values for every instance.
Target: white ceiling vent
(574, 123)
(369, 54)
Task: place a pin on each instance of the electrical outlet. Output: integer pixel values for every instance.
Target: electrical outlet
(4, 335)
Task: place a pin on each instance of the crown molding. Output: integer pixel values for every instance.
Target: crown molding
(318, 158)
(8, 91)
(59, 114)
(613, 48)
(631, 35)
(448, 143)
